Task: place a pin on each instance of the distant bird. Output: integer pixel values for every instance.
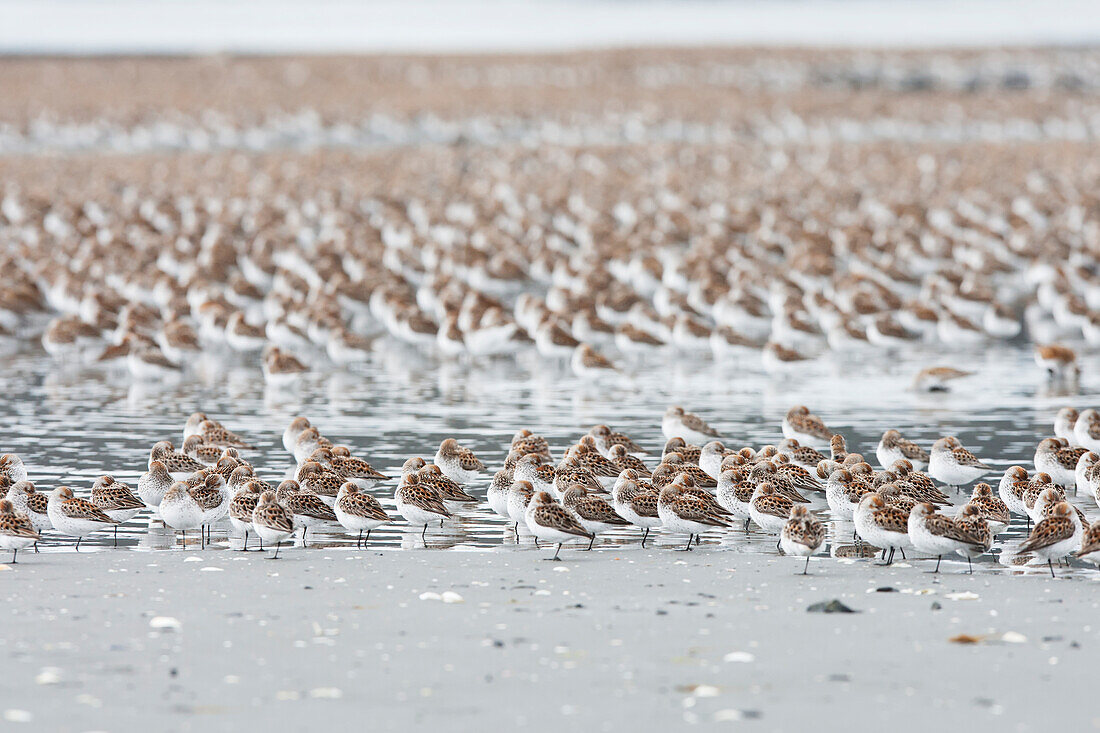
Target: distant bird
(937, 379)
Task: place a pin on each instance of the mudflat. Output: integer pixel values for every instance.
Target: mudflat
(607, 640)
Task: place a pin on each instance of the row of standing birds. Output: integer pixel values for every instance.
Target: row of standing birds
(600, 484)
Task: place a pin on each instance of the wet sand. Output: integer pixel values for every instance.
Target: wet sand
(610, 640)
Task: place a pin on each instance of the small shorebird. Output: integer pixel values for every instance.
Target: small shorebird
(587, 363)
(1053, 537)
(180, 510)
(457, 462)
(1090, 545)
(677, 423)
(605, 439)
(542, 477)
(1084, 478)
(769, 509)
(1064, 422)
(520, 494)
(798, 454)
(684, 513)
(281, 367)
(1055, 457)
(358, 512)
(584, 455)
(938, 535)
(175, 462)
(271, 521)
(688, 452)
(953, 465)
(937, 379)
(989, 507)
(524, 442)
(317, 479)
(241, 507)
(454, 497)
(547, 520)
(116, 500)
(624, 460)
(802, 535)
(711, 456)
(149, 364)
(418, 504)
(308, 442)
(206, 453)
(591, 511)
(12, 466)
(635, 504)
(16, 529)
(893, 446)
(1059, 362)
(1038, 483)
(735, 494)
(1087, 429)
(306, 508)
(213, 497)
(212, 432)
(32, 503)
(972, 524)
(805, 427)
(75, 517)
(675, 466)
(353, 469)
(843, 493)
(290, 435)
(497, 493)
(1011, 489)
(883, 525)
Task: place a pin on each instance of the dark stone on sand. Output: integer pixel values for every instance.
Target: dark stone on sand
(833, 606)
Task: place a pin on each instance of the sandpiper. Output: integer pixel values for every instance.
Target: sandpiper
(1055, 457)
(34, 504)
(805, 427)
(419, 504)
(953, 465)
(180, 511)
(938, 535)
(547, 520)
(116, 500)
(271, 521)
(636, 504)
(16, 529)
(802, 535)
(1053, 537)
(989, 507)
(358, 511)
(591, 511)
(240, 510)
(677, 423)
(893, 446)
(457, 462)
(683, 513)
(883, 525)
(75, 517)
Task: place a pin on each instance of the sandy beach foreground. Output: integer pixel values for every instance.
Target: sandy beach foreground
(612, 640)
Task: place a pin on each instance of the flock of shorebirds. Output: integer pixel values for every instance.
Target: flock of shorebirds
(602, 483)
(153, 284)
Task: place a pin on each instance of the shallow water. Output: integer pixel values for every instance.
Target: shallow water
(71, 423)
